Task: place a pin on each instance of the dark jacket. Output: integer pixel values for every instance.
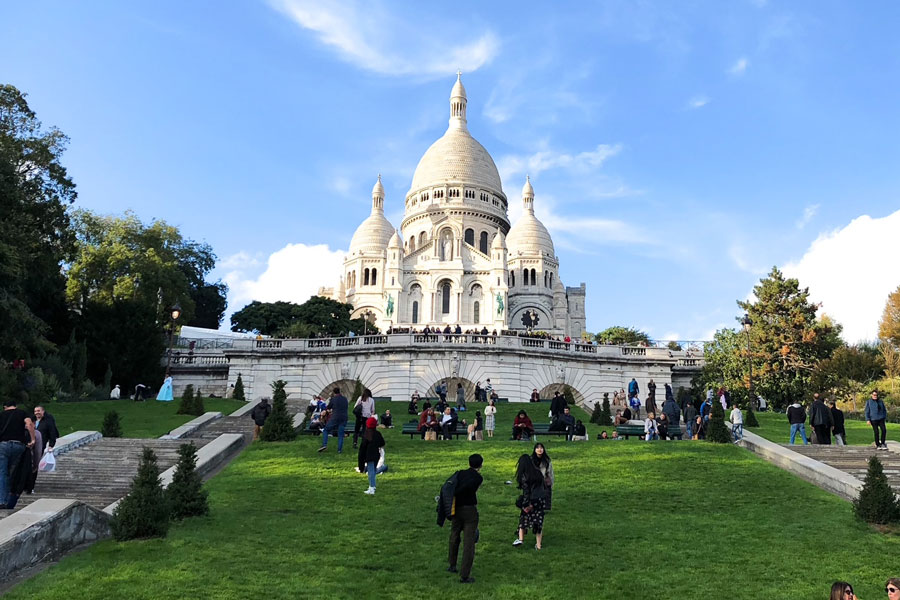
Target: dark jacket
(368, 449)
(670, 409)
(338, 407)
(557, 405)
(875, 410)
(837, 417)
(796, 414)
(445, 499)
(260, 413)
(819, 414)
(633, 387)
(48, 430)
(690, 414)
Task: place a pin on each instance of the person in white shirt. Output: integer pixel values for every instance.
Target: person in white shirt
(737, 424)
(650, 430)
(115, 393)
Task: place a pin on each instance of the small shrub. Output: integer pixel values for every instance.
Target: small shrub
(112, 426)
(185, 406)
(357, 392)
(197, 407)
(750, 419)
(144, 512)
(877, 502)
(718, 432)
(238, 393)
(279, 426)
(569, 396)
(601, 413)
(185, 494)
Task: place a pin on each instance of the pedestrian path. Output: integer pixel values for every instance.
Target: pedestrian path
(853, 460)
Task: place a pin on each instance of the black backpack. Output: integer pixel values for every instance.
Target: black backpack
(446, 500)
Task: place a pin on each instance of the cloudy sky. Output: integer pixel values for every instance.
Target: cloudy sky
(678, 150)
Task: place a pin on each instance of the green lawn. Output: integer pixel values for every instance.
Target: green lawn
(630, 520)
(775, 427)
(139, 419)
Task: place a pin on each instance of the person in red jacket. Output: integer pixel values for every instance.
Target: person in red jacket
(428, 422)
(522, 426)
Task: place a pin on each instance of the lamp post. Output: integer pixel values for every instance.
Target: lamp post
(175, 313)
(366, 315)
(747, 322)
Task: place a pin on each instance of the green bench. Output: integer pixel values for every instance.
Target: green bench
(412, 430)
(638, 430)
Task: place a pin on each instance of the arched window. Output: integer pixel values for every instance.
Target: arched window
(551, 279)
(354, 279)
(483, 242)
(512, 279)
(476, 314)
(533, 277)
(366, 277)
(412, 244)
(445, 299)
(524, 276)
(422, 239)
(470, 237)
(545, 279)
(375, 276)
(415, 316)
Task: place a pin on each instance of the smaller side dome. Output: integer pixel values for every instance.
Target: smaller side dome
(499, 242)
(395, 241)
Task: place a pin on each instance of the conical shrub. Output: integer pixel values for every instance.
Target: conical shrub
(197, 407)
(877, 502)
(185, 494)
(112, 427)
(279, 426)
(238, 393)
(750, 419)
(185, 406)
(144, 512)
(718, 432)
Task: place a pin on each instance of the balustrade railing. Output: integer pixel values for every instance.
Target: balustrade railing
(630, 351)
(347, 341)
(375, 339)
(199, 360)
(554, 345)
(268, 344)
(319, 343)
(531, 342)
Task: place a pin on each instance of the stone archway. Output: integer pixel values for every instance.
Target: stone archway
(468, 386)
(548, 390)
(346, 386)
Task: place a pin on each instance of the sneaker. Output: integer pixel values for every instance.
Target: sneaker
(323, 448)
(517, 542)
(452, 569)
(467, 580)
(370, 491)
(536, 547)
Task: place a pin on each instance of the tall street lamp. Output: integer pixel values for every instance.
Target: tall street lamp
(747, 322)
(366, 315)
(175, 313)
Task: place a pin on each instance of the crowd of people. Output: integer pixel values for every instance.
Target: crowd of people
(24, 440)
(827, 422)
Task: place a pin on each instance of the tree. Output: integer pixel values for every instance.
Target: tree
(891, 357)
(79, 366)
(673, 346)
(601, 414)
(877, 502)
(186, 405)
(185, 495)
(238, 388)
(35, 236)
(210, 301)
(723, 363)
(717, 432)
(279, 426)
(847, 371)
(750, 419)
(568, 395)
(787, 340)
(112, 426)
(622, 335)
(197, 406)
(144, 512)
(316, 317)
(889, 326)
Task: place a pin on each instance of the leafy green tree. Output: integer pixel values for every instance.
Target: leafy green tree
(725, 364)
(847, 372)
(717, 432)
(35, 236)
(622, 335)
(112, 425)
(673, 346)
(79, 366)
(750, 419)
(266, 318)
(601, 413)
(239, 389)
(877, 502)
(185, 495)
(210, 304)
(889, 326)
(144, 512)
(316, 317)
(279, 426)
(787, 340)
(568, 395)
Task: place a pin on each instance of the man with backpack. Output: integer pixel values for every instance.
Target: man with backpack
(259, 414)
(458, 502)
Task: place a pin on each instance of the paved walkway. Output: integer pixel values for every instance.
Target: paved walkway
(853, 460)
(101, 472)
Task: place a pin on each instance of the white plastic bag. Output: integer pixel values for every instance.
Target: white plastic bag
(48, 463)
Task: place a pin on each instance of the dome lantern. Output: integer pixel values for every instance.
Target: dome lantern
(458, 103)
(378, 196)
(528, 195)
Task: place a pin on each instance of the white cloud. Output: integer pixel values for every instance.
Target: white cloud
(292, 274)
(367, 36)
(740, 66)
(851, 271)
(738, 254)
(239, 261)
(545, 160)
(698, 102)
(808, 213)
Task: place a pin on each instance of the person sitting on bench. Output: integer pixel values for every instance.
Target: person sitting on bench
(523, 428)
(620, 419)
(448, 423)
(427, 422)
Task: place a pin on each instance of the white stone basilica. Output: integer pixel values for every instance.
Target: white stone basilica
(456, 259)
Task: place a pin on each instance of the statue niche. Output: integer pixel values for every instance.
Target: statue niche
(446, 247)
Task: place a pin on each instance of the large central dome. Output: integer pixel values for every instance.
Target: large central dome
(457, 157)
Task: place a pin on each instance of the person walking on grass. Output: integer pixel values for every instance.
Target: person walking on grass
(371, 453)
(532, 501)
(490, 413)
(362, 410)
(690, 418)
(337, 405)
(465, 518)
(542, 461)
(837, 419)
(797, 418)
(259, 414)
(737, 424)
(460, 397)
(876, 413)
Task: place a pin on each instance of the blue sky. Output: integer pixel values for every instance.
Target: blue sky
(677, 150)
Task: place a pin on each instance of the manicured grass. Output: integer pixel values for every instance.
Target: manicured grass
(630, 520)
(775, 427)
(147, 419)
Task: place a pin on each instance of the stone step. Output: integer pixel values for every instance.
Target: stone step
(853, 460)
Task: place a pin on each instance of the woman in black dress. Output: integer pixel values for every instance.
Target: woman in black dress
(532, 502)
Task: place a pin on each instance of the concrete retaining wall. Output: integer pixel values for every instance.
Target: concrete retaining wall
(826, 477)
(73, 440)
(45, 530)
(191, 426)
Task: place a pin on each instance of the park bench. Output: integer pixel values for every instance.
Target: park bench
(412, 430)
(633, 429)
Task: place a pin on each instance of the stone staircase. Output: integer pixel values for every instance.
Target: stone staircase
(853, 460)
(101, 472)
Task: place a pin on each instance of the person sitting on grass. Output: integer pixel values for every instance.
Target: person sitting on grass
(386, 421)
(413, 406)
(650, 428)
(428, 422)
(523, 428)
(604, 436)
(580, 431)
(892, 587)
